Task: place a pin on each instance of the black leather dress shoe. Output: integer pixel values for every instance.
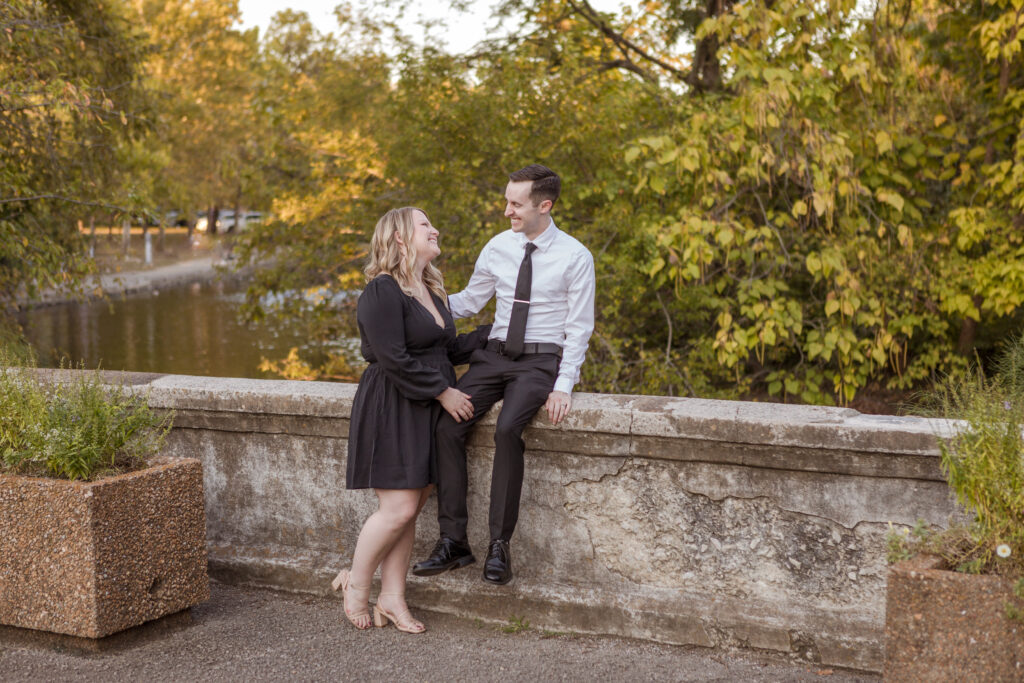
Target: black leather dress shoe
(498, 566)
(447, 554)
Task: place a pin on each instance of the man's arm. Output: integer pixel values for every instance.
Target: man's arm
(579, 325)
(479, 290)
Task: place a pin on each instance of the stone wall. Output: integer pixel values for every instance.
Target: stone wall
(710, 523)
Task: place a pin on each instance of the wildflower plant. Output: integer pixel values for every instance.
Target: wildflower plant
(983, 462)
(79, 428)
(904, 542)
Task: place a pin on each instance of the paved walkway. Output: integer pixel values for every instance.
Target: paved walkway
(247, 634)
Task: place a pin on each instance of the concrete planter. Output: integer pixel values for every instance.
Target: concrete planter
(94, 558)
(948, 626)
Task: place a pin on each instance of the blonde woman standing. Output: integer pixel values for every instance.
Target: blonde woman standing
(408, 339)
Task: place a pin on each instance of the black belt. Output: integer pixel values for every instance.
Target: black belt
(499, 347)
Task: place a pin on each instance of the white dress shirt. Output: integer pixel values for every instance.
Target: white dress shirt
(561, 295)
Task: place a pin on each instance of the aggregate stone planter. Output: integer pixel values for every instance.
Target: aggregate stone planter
(949, 626)
(94, 558)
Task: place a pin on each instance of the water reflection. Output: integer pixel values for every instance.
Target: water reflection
(192, 330)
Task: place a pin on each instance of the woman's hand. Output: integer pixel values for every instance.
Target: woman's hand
(456, 403)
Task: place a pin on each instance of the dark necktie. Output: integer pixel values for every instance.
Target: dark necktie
(520, 305)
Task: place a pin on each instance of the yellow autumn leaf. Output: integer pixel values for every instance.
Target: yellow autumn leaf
(883, 142)
(820, 206)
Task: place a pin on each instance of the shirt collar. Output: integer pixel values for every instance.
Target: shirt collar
(543, 240)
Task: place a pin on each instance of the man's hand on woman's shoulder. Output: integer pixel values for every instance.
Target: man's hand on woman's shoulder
(558, 405)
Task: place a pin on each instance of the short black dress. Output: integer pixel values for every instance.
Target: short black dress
(391, 431)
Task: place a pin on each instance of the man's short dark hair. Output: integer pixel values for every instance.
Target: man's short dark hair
(546, 183)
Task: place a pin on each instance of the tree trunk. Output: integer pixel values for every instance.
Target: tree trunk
(126, 236)
(968, 332)
(706, 73)
(211, 219)
(147, 245)
(92, 236)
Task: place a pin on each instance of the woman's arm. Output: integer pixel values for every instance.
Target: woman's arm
(464, 345)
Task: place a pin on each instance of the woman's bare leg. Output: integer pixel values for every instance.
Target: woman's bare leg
(395, 565)
(380, 532)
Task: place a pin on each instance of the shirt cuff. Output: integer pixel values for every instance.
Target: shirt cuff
(455, 306)
(564, 384)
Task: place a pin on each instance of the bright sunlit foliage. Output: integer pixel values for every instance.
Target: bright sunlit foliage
(810, 201)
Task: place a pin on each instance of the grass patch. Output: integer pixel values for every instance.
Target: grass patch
(515, 625)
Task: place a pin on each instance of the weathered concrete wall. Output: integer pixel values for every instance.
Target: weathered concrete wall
(689, 521)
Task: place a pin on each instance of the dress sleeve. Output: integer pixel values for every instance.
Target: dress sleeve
(382, 323)
(464, 345)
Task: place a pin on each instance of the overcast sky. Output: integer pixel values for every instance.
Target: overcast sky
(463, 29)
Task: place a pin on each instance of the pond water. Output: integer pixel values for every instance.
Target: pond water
(191, 330)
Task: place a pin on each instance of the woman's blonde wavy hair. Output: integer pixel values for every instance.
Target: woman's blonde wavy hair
(399, 260)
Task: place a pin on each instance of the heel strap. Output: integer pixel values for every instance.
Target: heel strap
(397, 617)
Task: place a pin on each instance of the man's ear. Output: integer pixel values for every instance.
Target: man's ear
(545, 206)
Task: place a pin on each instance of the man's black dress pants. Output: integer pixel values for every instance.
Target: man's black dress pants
(524, 384)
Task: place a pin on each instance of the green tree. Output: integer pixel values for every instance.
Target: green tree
(321, 163)
(813, 199)
(443, 136)
(69, 99)
(204, 149)
(978, 44)
(792, 199)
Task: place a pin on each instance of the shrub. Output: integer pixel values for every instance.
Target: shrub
(77, 427)
(983, 462)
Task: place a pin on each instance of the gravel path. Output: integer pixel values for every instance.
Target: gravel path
(247, 634)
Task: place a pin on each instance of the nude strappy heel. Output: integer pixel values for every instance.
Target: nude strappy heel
(404, 622)
(342, 581)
